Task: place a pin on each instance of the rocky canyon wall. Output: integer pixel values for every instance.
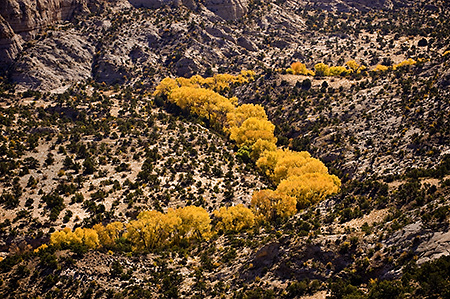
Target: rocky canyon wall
(20, 20)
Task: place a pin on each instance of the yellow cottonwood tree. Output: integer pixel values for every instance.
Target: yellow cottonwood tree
(188, 82)
(309, 188)
(243, 112)
(65, 236)
(85, 236)
(88, 237)
(251, 130)
(203, 102)
(406, 62)
(108, 234)
(221, 82)
(299, 68)
(355, 67)
(150, 230)
(281, 164)
(380, 68)
(217, 83)
(337, 71)
(235, 218)
(269, 204)
(195, 222)
(153, 229)
(292, 163)
(302, 180)
(298, 175)
(261, 146)
(165, 87)
(352, 65)
(322, 69)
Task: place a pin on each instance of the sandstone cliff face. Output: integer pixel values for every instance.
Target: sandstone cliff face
(9, 44)
(20, 20)
(26, 17)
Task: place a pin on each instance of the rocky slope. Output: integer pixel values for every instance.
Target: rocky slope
(183, 39)
(102, 149)
(379, 125)
(10, 45)
(22, 20)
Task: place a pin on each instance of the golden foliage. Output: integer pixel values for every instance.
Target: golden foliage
(297, 175)
(355, 67)
(249, 127)
(165, 87)
(281, 164)
(109, 234)
(299, 68)
(406, 62)
(65, 236)
(292, 163)
(243, 112)
(221, 82)
(150, 230)
(338, 71)
(153, 229)
(269, 204)
(203, 102)
(85, 236)
(195, 222)
(380, 68)
(42, 247)
(218, 82)
(261, 146)
(352, 65)
(251, 130)
(201, 96)
(322, 69)
(235, 218)
(309, 188)
(246, 123)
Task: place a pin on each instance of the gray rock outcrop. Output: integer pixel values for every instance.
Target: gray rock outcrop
(26, 17)
(436, 246)
(10, 44)
(228, 9)
(20, 20)
(55, 63)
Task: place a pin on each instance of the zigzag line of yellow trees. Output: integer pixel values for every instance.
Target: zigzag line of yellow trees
(351, 67)
(301, 180)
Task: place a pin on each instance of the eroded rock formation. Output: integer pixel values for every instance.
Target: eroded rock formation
(21, 20)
